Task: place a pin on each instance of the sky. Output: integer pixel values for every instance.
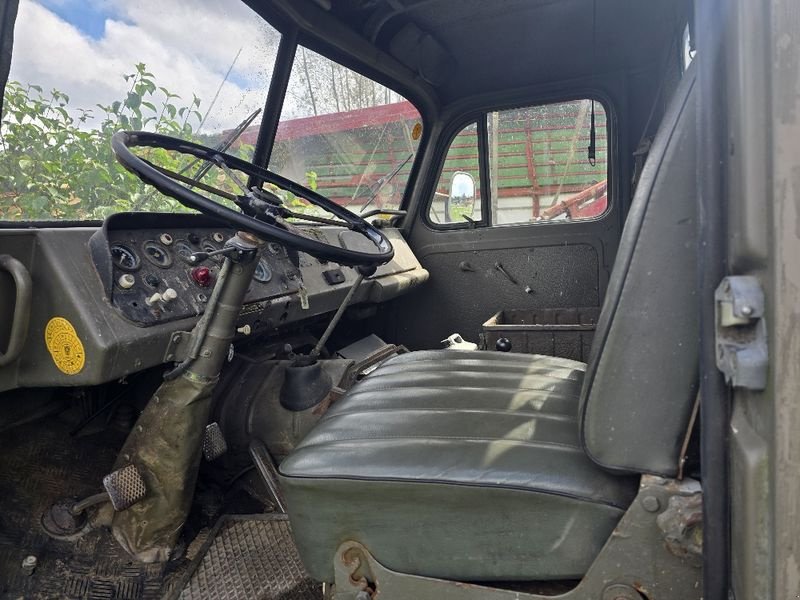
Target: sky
(84, 47)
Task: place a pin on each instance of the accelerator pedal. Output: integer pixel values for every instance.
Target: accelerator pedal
(125, 487)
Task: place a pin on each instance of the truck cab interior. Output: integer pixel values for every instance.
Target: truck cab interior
(436, 320)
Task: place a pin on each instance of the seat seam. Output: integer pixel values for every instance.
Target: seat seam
(558, 445)
(552, 416)
(456, 387)
(378, 373)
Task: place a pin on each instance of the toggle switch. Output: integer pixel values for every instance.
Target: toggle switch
(166, 297)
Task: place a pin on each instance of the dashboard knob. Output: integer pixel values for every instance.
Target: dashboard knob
(503, 345)
(169, 295)
(153, 299)
(126, 281)
(201, 276)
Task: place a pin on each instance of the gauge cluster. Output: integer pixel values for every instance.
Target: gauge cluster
(144, 261)
(155, 280)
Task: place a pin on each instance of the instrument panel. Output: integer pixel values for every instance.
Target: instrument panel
(156, 281)
(150, 276)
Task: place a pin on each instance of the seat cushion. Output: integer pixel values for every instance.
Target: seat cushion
(456, 464)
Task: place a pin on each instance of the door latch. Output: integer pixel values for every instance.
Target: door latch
(741, 333)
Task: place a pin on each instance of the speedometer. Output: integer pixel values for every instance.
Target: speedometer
(157, 254)
(184, 251)
(124, 258)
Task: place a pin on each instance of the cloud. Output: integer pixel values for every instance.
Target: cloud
(188, 47)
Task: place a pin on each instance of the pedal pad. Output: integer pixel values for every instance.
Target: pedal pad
(125, 487)
(214, 444)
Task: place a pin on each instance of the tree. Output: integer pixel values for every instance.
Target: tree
(321, 86)
(54, 166)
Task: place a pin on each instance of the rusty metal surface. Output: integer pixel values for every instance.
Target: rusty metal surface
(252, 558)
(682, 524)
(40, 463)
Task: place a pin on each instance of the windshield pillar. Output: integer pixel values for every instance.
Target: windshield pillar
(274, 103)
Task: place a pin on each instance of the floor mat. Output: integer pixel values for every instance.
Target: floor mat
(249, 558)
(39, 463)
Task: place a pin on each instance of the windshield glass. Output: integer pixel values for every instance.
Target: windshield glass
(81, 70)
(345, 136)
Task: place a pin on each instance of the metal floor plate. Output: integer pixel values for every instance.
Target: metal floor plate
(250, 558)
(39, 463)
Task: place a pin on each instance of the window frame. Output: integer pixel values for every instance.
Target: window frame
(481, 117)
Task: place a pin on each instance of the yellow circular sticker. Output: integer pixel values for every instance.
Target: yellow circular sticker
(416, 132)
(64, 346)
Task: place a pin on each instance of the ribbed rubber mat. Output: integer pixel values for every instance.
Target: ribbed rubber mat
(39, 463)
(250, 558)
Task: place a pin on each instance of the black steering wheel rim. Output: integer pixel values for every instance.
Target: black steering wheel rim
(123, 141)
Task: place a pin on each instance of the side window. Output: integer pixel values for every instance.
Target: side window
(546, 163)
(542, 166)
(457, 198)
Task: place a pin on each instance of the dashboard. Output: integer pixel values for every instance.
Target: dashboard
(153, 279)
(124, 289)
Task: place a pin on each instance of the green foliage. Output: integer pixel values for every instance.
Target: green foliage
(54, 165)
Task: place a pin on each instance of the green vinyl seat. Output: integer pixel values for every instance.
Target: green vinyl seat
(478, 466)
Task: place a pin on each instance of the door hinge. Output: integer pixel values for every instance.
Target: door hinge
(741, 333)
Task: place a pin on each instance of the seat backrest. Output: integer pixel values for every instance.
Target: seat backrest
(641, 380)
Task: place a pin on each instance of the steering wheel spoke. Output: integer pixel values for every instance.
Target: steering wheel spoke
(262, 212)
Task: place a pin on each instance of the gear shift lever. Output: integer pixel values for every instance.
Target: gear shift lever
(306, 384)
(362, 273)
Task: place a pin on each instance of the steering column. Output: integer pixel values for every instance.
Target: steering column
(165, 444)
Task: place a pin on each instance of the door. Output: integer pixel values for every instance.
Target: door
(538, 239)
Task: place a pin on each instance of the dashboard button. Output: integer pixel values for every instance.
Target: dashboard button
(202, 276)
(333, 276)
(126, 281)
(151, 280)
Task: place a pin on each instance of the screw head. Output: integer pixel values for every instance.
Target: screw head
(747, 310)
(651, 503)
(29, 564)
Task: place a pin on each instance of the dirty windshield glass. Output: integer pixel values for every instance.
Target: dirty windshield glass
(345, 136)
(81, 70)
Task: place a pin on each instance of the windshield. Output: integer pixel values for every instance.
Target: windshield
(345, 136)
(81, 70)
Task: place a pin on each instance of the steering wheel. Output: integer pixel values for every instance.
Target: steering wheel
(263, 213)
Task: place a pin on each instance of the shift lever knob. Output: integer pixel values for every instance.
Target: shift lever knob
(503, 345)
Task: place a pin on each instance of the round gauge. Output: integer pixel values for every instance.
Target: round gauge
(184, 251)
(209, 246)
(157, 254)
(263, 273)
(275, 248)
(124, 258)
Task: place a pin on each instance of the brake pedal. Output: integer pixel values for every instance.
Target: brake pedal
(125, 487)
(214, 444)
